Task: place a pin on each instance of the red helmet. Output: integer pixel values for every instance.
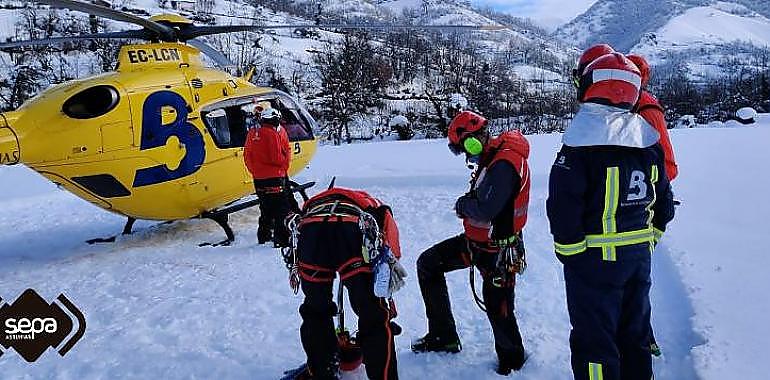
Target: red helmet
(463, 125)
(590, 55)
(644, 67)
(612, 80)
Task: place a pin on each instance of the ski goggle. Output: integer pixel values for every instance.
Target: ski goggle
(576, 78)
(470, 145)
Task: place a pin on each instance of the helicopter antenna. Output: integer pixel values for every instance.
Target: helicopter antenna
(331, 184)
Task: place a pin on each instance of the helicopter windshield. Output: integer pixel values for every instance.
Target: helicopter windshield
(297, 121)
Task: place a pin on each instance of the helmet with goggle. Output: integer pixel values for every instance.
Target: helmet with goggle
(588, 56)
(462, 132)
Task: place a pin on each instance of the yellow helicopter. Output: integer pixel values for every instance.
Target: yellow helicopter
(161, 137)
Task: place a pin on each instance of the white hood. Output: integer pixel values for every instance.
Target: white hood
(597, 124)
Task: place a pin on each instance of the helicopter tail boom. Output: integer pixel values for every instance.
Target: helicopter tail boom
(9, 144)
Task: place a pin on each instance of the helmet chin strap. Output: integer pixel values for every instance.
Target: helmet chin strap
(472, 162)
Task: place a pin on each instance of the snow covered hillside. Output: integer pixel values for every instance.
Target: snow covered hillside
(157, 306)
(658, 28)
(418, 69)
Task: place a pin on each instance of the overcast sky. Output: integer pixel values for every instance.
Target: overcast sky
(549, 13)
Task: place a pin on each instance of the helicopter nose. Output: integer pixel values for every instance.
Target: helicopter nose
(9, 144)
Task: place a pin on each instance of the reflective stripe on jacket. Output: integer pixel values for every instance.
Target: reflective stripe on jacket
(607, 197)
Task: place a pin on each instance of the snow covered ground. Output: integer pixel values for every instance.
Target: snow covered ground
(157, 306)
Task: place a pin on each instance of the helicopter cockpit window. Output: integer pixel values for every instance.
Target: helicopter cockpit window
(228, 122)
(91, 102)
(217, 122)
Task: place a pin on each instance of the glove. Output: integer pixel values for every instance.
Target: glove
(521, 255)
(457, 207)
(397, 275)
(458, 204)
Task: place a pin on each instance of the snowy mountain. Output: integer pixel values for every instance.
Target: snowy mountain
(654, 26)
(711, 39)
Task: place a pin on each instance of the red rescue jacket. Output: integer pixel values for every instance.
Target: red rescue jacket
(513, 148)
(367, 203)
(267, 153)
(650, 109)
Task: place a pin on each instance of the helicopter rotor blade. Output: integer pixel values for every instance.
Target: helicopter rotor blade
(216, 55)
(483, 27)
(163, 31)
(126, 34)
(194, 31)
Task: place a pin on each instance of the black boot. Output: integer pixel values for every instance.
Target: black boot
(435, 343)
(264, 235)
(303, 373)
(508, 363)
(281, 237)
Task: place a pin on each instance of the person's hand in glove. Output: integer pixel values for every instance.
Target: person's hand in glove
(459, 204)
(397, 275)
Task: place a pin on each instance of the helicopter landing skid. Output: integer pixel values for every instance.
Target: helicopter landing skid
(127, 230)
(222, 216)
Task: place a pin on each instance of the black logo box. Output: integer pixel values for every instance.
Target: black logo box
(30, 325)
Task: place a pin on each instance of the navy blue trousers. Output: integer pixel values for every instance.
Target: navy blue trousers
(609, 309)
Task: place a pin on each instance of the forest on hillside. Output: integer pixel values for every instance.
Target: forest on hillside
(356, 84)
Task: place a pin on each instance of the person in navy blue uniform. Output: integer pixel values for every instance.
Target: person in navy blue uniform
(609, 202)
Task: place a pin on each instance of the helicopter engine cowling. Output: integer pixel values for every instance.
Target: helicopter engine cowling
(9, 144)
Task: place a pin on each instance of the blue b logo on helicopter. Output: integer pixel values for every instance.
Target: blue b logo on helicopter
(155, 134)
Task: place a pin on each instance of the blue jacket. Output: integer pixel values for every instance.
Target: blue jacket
(609, 198)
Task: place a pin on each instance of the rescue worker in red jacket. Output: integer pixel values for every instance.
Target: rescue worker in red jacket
(609, 202)
(267, 156)
(331, 241)
(494, 212)
(651, 110)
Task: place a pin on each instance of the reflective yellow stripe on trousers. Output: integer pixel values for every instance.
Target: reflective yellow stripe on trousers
(609, 225)
(595, 371)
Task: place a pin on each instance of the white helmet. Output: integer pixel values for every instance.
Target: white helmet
(271, 116)
(458, 101)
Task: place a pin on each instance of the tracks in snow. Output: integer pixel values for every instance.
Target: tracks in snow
(672, 314)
